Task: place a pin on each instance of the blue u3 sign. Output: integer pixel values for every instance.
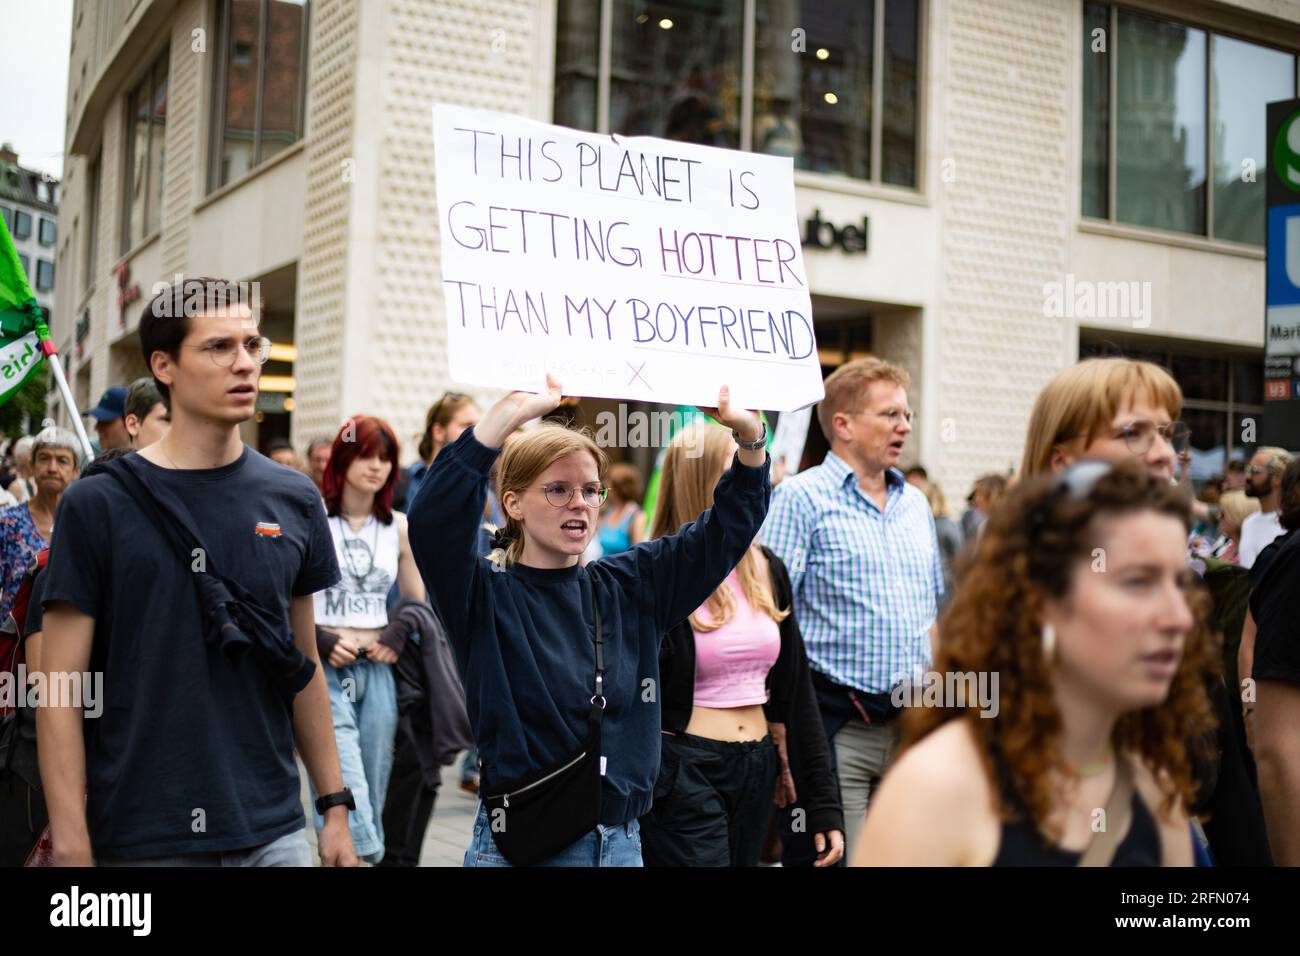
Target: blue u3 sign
(1283, 284)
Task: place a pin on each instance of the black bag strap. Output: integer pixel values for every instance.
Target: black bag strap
(598, 692)
(180, 532)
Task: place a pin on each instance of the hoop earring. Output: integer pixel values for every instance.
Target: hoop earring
(1049, 643)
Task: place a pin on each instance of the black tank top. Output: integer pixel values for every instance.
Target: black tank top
(1022, 845)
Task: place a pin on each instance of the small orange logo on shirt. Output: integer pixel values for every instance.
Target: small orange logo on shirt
(267, 529)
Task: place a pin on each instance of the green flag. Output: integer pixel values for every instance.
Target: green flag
(22, 323)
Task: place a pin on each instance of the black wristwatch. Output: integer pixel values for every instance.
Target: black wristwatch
(757, 444)
(342, 798)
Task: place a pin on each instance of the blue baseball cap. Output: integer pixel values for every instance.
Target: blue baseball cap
(112, 404)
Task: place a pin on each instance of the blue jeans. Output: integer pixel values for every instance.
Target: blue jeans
(363, 700)
(603, 846)
(290, 850)
(469, 766)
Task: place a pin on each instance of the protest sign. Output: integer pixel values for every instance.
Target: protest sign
(633, 268)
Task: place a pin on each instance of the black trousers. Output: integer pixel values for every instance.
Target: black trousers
(409, 804)
(712, 802)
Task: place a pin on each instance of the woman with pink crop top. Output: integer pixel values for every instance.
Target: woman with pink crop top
(740, 722)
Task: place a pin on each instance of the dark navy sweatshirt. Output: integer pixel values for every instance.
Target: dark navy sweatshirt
(523, 636)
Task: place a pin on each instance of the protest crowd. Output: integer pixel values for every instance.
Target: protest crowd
(817, 668)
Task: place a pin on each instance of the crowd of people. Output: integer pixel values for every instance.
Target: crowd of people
(822, 668)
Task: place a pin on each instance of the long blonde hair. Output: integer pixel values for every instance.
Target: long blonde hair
(523, 461)
(696, 458)
(1082, 400)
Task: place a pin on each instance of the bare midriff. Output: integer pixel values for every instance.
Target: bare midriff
(731, 724)
(360, 637)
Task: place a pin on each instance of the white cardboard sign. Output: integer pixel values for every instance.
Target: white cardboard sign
(631, 268)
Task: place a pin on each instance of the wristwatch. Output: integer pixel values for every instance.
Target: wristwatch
(757, 444)
(343, 798)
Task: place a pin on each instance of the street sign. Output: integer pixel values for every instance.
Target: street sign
(1282, 287)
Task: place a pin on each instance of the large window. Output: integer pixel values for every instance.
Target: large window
(1222, 396)
(44, 275)
(22, 224)
(46, 233)
(261, 84)
(145, 159)
(832, 83)
(1174, 124)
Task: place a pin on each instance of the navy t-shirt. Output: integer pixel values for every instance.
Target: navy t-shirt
(191, 752)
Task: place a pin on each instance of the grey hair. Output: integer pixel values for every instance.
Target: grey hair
(23, 446)
(53, 437)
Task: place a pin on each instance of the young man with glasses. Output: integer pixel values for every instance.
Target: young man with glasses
(192, 760)
(1263, 481)
(867, 578)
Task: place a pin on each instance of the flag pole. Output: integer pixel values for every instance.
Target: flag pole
(52, 356)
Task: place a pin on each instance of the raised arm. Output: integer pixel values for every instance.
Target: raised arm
(686, 567)
(443, 520)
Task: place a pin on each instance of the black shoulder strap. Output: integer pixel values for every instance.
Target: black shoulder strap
(168, 514)
(598, 693)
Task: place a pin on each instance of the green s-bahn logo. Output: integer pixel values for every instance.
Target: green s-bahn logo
(1286, 152)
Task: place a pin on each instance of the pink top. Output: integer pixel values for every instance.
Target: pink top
(732, 662)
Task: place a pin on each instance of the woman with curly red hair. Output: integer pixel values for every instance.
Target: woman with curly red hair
(1078, 597)
(1120, 409)
(357, 644)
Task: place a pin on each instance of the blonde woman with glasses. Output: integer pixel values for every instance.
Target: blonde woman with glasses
(561, 660)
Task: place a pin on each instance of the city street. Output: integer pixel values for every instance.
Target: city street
(449, 830)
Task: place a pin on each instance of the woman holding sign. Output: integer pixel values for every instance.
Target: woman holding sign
(561, 661)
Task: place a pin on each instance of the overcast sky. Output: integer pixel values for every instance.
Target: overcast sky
(34, 39)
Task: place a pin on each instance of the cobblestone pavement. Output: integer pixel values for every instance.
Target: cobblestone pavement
(449, 830)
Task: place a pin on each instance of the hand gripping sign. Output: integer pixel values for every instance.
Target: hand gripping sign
(632, 268)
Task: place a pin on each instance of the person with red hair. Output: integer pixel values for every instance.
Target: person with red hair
(353, 634)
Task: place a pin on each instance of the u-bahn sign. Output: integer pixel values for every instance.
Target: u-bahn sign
(1282, 293)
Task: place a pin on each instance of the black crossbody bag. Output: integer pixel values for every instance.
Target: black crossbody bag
(537, 816)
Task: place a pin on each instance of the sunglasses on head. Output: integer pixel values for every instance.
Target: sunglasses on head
(1075, 483)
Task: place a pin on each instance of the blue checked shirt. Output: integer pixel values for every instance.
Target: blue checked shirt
(867, 583)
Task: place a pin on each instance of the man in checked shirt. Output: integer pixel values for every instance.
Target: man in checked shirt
(864, 562)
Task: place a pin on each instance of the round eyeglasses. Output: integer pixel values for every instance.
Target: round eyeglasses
(559, 494)
(223, 351)
(1139, 436)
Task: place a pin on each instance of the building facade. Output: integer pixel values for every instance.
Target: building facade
(29, 203)
(988, 189)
